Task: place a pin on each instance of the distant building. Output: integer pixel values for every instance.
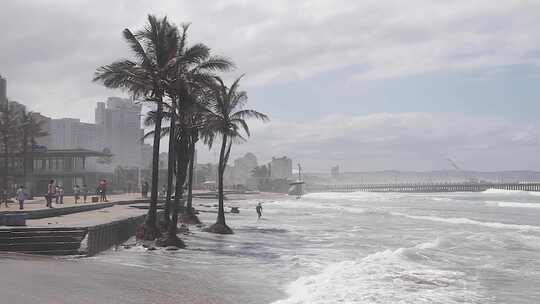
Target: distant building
(334, 172)
(117, 130)
(71, 133)
(281, 167)
(147, 152)
(118, 123)
(66, 167)
(241, 172)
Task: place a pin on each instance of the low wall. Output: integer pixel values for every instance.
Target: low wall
(103, 237)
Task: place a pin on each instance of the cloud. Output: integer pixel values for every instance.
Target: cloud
(50, 49)
(404, 141)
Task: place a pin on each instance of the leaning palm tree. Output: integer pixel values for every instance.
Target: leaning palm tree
(154, 48)
(227, 120)
(194, 66)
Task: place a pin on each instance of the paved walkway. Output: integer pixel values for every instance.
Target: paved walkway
(69, 201)
(88, 218)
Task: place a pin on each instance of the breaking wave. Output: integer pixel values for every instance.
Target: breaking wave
(385, 277)
(467, 221)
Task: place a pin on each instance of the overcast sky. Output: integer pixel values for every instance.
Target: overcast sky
(368, 85)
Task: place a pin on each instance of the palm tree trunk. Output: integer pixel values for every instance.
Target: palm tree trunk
(170, 168)
(149, 231)
(189, 216)
(181, 166)
(220, 226)
(6, 161)
(189, 204)
(25, 156)
(221, 171)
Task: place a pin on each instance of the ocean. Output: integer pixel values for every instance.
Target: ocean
(364, 248)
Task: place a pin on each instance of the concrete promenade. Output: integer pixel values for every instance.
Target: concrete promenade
(72, 229)
(69, 201)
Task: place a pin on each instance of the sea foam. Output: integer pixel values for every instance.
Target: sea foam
(384, 277)
(467, 221)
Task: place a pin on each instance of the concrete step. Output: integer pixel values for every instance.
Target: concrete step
(40, 239)
(52, 252)
(37, 247)
(66, 233)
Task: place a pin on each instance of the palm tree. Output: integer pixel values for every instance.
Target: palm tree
(154, 48)
(194, 67)
(228, 120)
(189, 215)
(9, 131)
(31, 128)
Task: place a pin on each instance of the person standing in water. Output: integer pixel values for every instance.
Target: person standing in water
(259, 210)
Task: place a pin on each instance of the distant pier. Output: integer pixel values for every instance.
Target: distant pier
(423, 187)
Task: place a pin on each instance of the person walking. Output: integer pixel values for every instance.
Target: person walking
(56, 194)
(103, 190)
(21, 196)
(61, 194)
(144, 189)
(3, 197)
(84, 191)
(259, 209)
(163, 191)
(76, 193)
(51, 192)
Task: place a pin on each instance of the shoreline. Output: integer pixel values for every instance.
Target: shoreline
(75, 280)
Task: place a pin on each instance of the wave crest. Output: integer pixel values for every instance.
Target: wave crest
(384, 277)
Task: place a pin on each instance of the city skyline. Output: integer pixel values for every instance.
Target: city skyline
(407, 88)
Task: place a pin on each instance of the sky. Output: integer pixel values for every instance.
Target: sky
(367, 85)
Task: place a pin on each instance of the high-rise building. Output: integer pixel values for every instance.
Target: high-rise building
(117, 130)
(3, 92)
(118, 123)
(70, 133)
(241, 172)
(281, 167)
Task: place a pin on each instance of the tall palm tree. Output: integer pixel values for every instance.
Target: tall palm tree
(31, 128)
(154, 48)
(9, 131)
(227, 120)
(194, 67)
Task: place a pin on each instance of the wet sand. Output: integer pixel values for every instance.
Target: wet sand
(25, 280)
(28, 279)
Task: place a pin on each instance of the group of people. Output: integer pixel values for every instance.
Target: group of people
(56, 192)
(20, 196)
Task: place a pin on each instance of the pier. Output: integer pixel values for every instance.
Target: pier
(423, 187)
